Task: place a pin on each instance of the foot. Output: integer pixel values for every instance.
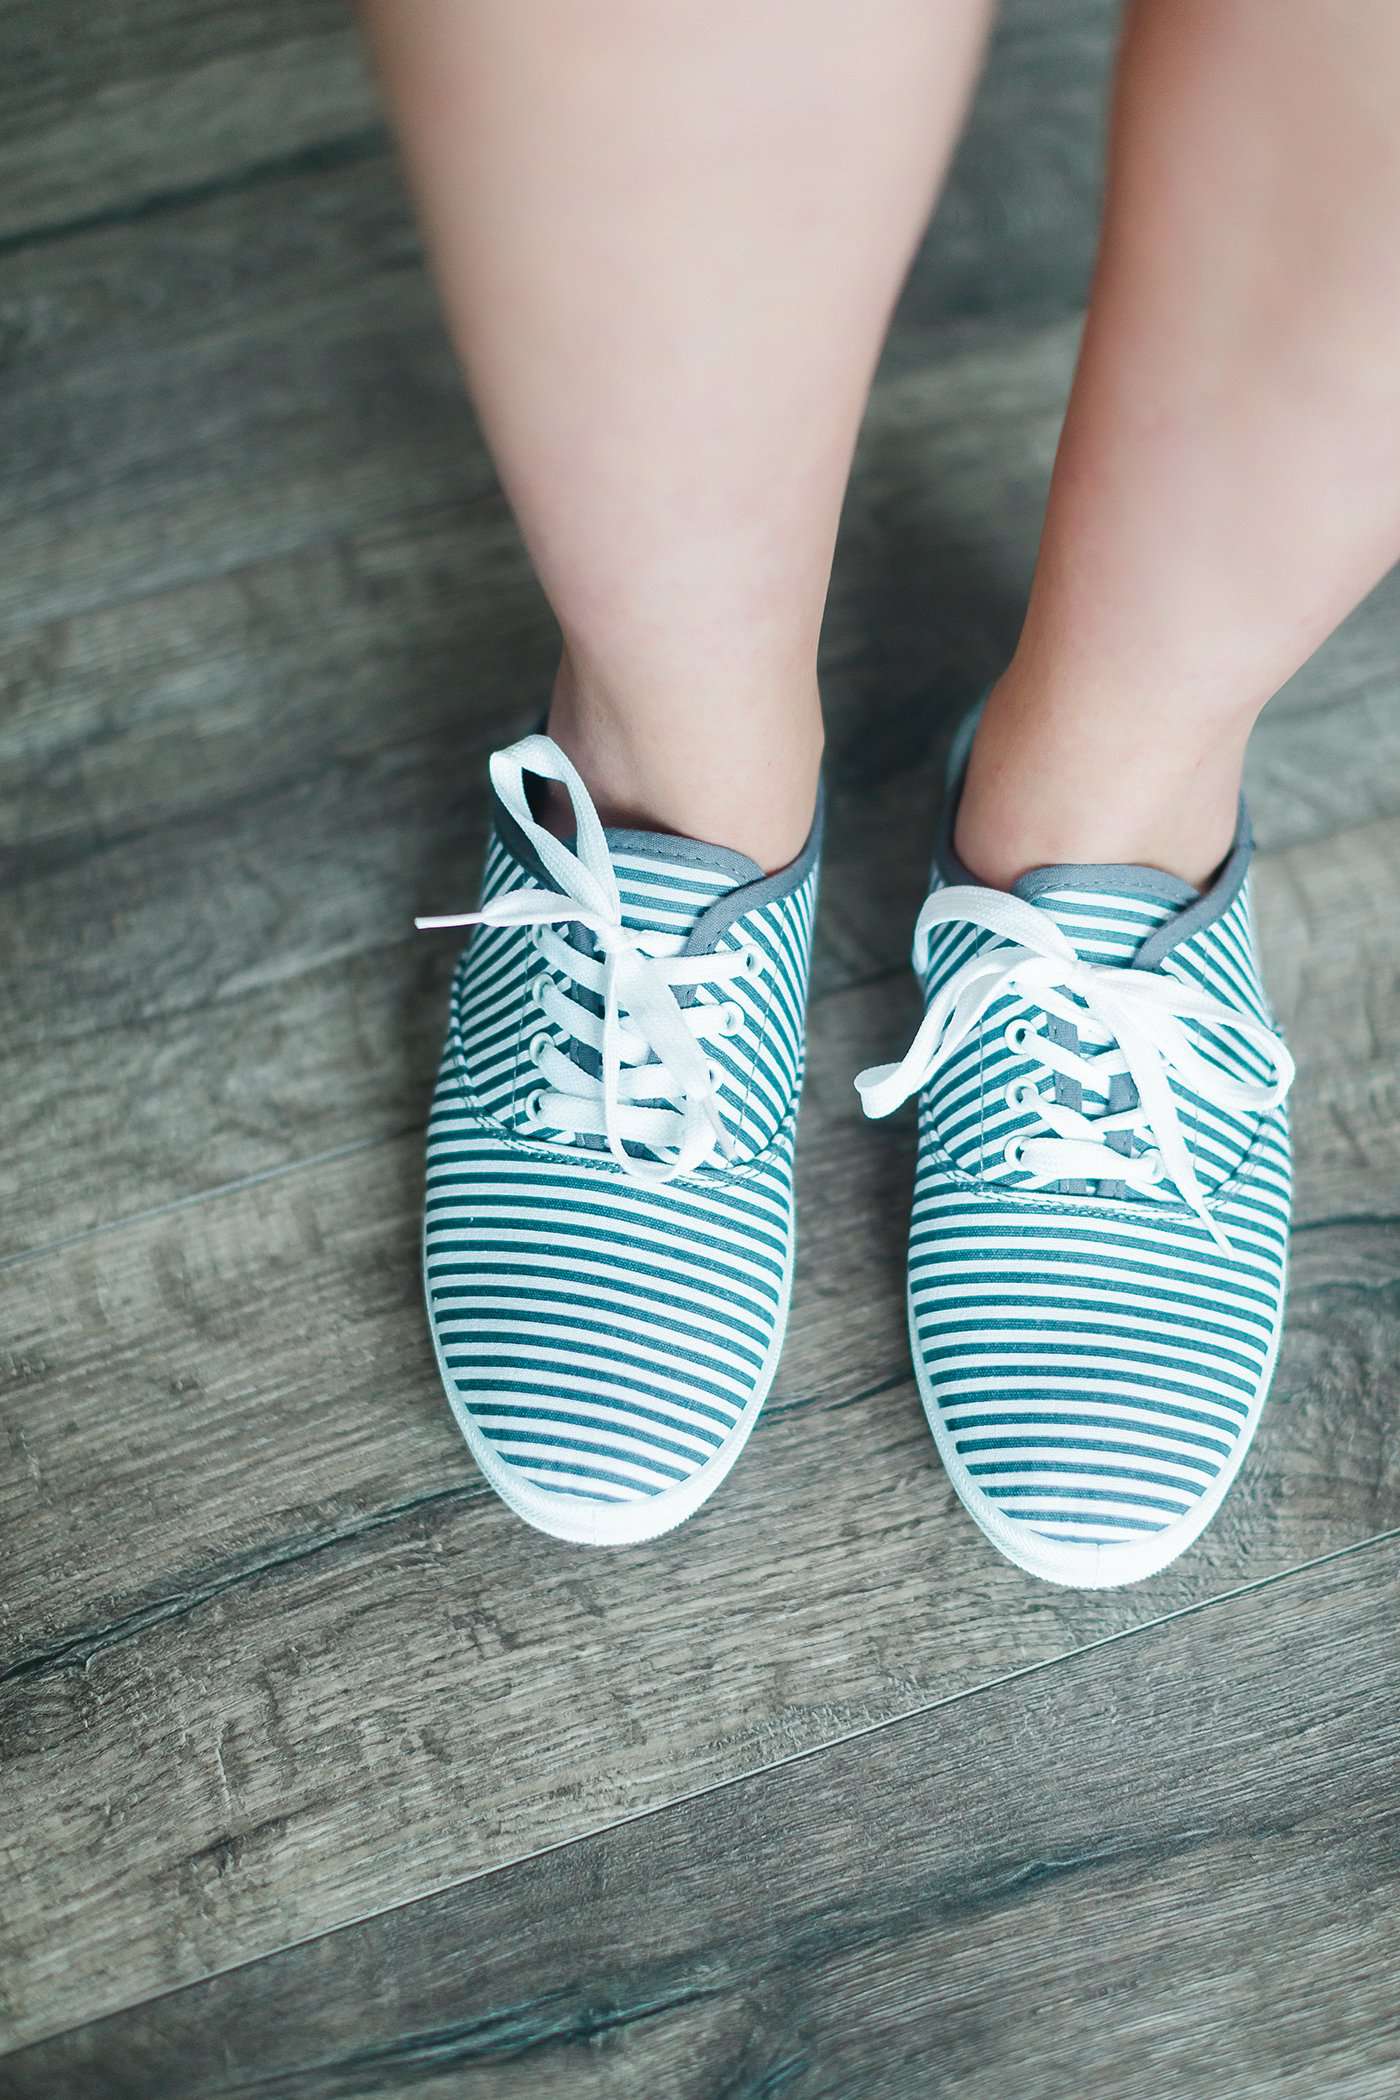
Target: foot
(1096, 1262)
(609, 1227)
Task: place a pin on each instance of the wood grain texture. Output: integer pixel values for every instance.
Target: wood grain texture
(122, 111)
(278, 1658)
(228, 800)
(251, 375)
(325, 1252)
(271, 1657)
(257, 363)
(1165, 1867)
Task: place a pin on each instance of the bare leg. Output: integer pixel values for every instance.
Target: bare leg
(668, 239)
(1228, 483)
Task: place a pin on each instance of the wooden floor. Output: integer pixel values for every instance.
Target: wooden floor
(322, 1776)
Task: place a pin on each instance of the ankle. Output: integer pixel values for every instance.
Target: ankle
(1056, 779)
(732, 770)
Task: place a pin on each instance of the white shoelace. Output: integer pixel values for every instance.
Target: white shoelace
(1138, 1014)
(636, 980)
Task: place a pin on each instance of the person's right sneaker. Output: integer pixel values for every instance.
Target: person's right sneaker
(1100, 1228)
(608, 1230)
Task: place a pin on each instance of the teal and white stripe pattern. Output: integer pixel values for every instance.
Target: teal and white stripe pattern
(606, 1342)
(1093, 1354)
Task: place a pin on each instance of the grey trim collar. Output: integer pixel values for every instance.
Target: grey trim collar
(1192, 909)
(752, 888)
(1216, 898)
(684, 853)
(766, 889)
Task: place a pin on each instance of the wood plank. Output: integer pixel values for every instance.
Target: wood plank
(1335, 975)
(177, 1497)
(1326, 755)
(223, 977)
(1169, 1865)
(229, 796)
(111, 111)
(122, 722)
(1017, 224)
(229, 800)
(241, 83)
(257, 609)
(91, 1322)
(282, 379)
(258, 365)
(243, 1536)
(238, 903)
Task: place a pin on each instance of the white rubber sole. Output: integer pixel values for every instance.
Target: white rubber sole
(1088, 1567)
(582, 1523)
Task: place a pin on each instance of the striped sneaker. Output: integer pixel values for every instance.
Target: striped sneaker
(608, 1237)
(1096, 1262)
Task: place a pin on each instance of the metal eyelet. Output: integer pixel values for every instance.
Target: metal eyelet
(541, 1041)
(1014, 1155)
(753, 962)
(1022, 1095)
(733, 1021)
(1018, 1036)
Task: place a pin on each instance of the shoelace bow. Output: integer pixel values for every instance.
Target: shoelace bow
(641, 1019)
(1142, 1013)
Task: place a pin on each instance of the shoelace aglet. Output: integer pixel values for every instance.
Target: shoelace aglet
(439, 922)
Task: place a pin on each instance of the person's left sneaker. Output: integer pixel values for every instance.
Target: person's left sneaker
(608, 1235)
(1100, 1228)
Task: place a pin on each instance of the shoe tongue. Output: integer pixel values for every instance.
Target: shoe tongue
(1108, 909)
(665, 885)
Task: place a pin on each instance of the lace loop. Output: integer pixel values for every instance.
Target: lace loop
(635, 976)
(1142, 1013)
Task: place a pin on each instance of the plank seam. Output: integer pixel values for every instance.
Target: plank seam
(1378, 1540)
(323, 157)
(76, 1650)
(313, 1160)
